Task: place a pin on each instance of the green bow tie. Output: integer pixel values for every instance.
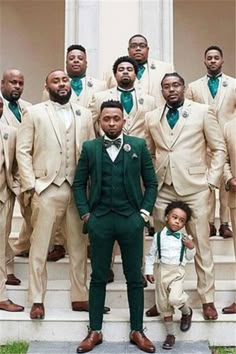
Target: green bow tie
(15, 110)
(172, 117)
(126, 99)
(175, 234)
(141, 69)
(108, 143)
(77, 85)
(213, 84)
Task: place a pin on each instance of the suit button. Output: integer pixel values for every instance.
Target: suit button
(164, 167)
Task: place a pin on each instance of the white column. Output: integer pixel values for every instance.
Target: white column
(156, 23)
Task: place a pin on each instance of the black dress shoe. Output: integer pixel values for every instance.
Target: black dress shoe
(212, 231)
(185, 322)
(58, 252)
(169, 342)
(225, 231)
(12, 280)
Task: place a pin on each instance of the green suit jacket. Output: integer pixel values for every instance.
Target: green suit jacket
(137, 166)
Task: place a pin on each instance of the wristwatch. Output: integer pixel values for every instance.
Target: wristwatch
(145, 217)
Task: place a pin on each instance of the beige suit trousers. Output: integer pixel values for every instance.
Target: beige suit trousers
(233, 221)
(9, 253)
(198, 227)
(53, 207)
(170, 288)
(223, 199)
(6, 211)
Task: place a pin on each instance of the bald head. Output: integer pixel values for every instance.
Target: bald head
(12, 84)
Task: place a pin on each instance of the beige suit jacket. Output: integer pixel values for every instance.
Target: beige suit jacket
(230, 165)
(150, 82)
(91, 86)
(39, 144)
(8, 116)
(186, 155)
(11, 176)
(135, 120)
(224, 102)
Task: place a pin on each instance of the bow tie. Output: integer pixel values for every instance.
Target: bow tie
(108, 143)
(175, 234)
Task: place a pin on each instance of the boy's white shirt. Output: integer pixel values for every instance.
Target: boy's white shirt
(170, 252)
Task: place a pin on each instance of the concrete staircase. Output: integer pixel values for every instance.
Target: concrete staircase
(63, 324)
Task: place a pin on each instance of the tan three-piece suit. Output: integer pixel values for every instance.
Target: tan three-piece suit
(180, 158)
(9, 188)
(47, 152)
(224, 104)
(150, 82)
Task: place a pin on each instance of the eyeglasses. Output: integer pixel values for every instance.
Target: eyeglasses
(136, 45)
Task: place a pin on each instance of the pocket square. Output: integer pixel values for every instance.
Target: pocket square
(134, 156)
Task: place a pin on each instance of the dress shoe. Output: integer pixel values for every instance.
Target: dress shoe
(152, 312)
(138, 338)
(110, 276)
(225, 231)
(209, 311)
(8, 305)
(83, 306)
(185, 322)
(229, 309)
(12, 280)
(24, 254)
(37, 311)
(58, 252)
(169, 342)
(93, 338)
(212, 231)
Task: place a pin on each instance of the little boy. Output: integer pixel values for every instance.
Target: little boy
(172, 249)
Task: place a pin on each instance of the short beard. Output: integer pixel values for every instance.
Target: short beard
(57, 98)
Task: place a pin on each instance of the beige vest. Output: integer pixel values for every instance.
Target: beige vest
(68, 162)
(4, 192)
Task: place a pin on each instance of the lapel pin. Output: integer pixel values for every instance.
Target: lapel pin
(5, 136)
(185, 114)
(134, 156)
(225, 83)
(127, 147)
(141, 100)
(90, 84)
(153, 66)
(78, 112)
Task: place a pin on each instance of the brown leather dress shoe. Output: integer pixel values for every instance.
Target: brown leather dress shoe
(37, 311)
(12, 280)
(229, 309)
(225, 231)
(185, 322)
(93, 338)
(138, 338)
(83, 306)
(209, 311)
(8, 305)
(111, 276)
(24, 254)
(212, 231)
(169, 342)
(152, 312)
(58, 252)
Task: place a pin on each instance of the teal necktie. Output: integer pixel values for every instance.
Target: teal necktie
(141, 69)
(172, 116)
(213, 84)
(126, 99)
(77, 85)
(15, 110)
(174, 234)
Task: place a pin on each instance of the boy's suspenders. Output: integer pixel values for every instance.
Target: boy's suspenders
(159, 248)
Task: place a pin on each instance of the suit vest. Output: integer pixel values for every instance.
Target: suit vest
(113, 195)
(68, 157)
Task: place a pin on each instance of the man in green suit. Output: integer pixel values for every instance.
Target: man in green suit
(116, 209)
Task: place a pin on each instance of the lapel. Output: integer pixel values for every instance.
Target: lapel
(78, 127)
(139, 104)
(159, 126)
(52, 116)
(204, 89)
(224, 83)
(128, 149)
(5, 141)
(182, 120)
(98, 153)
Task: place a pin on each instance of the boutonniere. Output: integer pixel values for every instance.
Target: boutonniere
(90, 84)
(5, 136)
(127, 147)
(141, 101)
(78, 112)
(134, 156)
(153, 66)
(225, 83)
(185, 114)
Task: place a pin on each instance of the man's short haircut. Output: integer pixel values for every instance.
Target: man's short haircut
(173, 74)
(178, 204)
(138, 35)
(76, 47)
(125, 59)
(53, 72)
(111, 104)
(214, 47)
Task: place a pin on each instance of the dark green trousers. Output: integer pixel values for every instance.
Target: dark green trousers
(128, 231)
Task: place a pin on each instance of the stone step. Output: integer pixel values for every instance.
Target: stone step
(225, 268)
(67, 325)
(58, 294)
